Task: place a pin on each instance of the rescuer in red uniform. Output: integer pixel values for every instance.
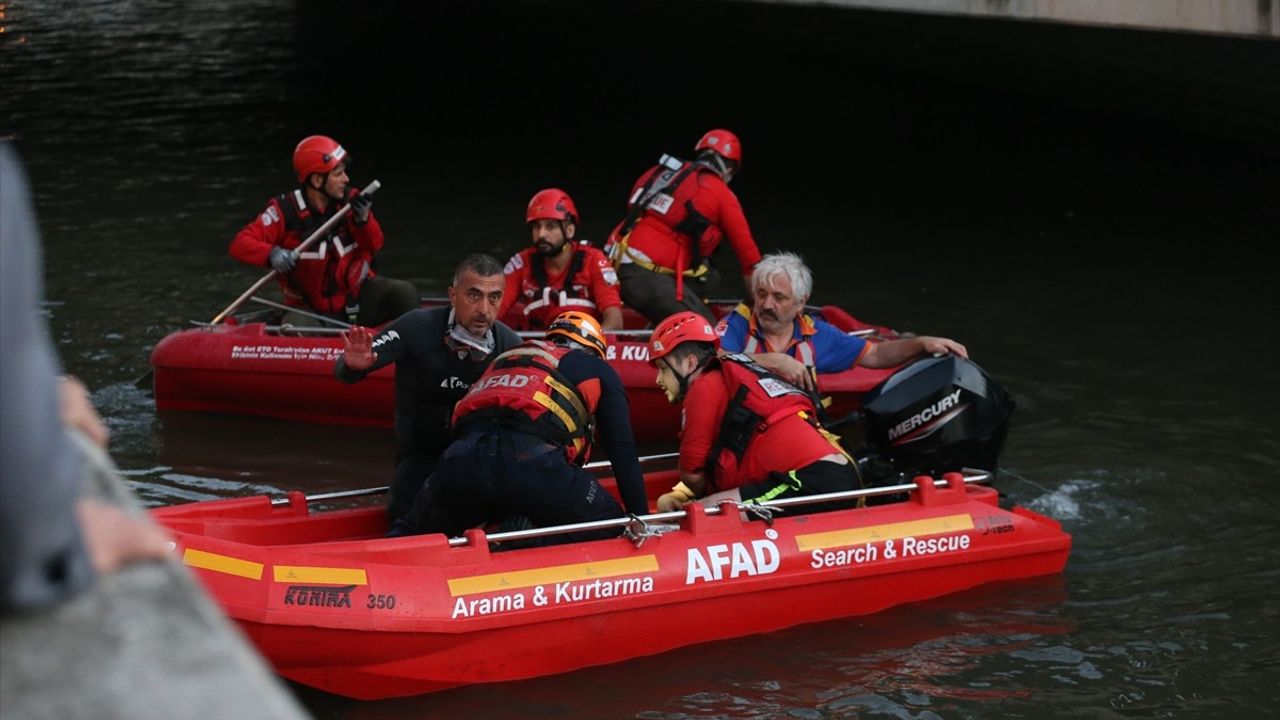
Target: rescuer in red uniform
(522, 434)
(557, 272)
(332, 277)
(677, 215)
(749, 436)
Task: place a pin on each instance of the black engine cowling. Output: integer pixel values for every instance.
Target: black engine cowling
(937, 415)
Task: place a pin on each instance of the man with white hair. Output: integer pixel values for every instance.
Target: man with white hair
(779, 335)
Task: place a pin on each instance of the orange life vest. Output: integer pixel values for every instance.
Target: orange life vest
(523, 389)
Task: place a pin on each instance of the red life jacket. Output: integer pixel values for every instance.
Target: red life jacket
(332, 287)
(523, 389)
(574, 292)
(757, 399)
(654, 202)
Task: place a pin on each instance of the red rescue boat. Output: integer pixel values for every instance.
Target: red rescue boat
(255, 368)
(334, 605)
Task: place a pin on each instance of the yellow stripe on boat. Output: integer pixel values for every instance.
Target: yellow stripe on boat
(554, 574)
(222, 563)
(889, 531)
(322, 575)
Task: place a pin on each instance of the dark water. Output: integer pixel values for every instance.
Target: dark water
(1092, 213)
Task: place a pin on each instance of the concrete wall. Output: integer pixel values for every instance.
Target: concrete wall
(1229, 17)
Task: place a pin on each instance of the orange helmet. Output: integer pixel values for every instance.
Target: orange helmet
(316, 154)
(723, 143)
(687, 326)
(552, 204)
(581, 328)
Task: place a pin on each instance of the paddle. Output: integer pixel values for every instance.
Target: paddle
(644, 459)
(342, 213)
(314, 316)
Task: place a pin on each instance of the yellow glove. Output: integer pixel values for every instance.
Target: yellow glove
(670, 502)
(679, 496)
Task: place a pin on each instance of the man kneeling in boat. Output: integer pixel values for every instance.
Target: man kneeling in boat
(332, 278)
(796, 345)
(748, 436)
(523, 432)
(438, 354)
(558, 272)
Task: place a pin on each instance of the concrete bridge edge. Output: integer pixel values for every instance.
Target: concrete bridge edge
(1256, 18)
(146, 642)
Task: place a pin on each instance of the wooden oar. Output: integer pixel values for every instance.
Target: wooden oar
(320, 231)
(314, 316)
(644, 460)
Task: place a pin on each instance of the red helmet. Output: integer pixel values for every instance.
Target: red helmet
(552, 204)
(581, 328)
(687, 326)
(316, 154)
(723, 143)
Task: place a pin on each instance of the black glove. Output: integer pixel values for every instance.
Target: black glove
(360, 205)
(282, 261)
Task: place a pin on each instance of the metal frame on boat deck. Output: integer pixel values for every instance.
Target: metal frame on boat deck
(761, 510)
(342, 327)
(598, 465)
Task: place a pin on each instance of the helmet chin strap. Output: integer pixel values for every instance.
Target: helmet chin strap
(683, 380)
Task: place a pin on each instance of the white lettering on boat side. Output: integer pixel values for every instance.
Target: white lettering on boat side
(472, 607)
(561, 593)
(285, 352)
(911, 547)
(761, 558)
(572, 591)
(821, 558)
(630, 351)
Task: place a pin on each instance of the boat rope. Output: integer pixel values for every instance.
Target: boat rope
(639, 530)
(763, 512)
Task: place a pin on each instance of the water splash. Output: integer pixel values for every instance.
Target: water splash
(1065, 502)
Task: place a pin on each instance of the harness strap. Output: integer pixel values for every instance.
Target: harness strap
(647, 194)
(564, 388)
(567, 295)
(693, 226)
(299, 218)
(575, 266)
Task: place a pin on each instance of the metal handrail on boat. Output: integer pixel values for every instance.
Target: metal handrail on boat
(598, 465)
(302, 330)
(971, 476)
(342, 327)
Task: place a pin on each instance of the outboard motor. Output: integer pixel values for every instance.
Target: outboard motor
(937, 415)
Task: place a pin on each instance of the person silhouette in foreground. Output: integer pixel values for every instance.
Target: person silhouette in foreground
(55, 542)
